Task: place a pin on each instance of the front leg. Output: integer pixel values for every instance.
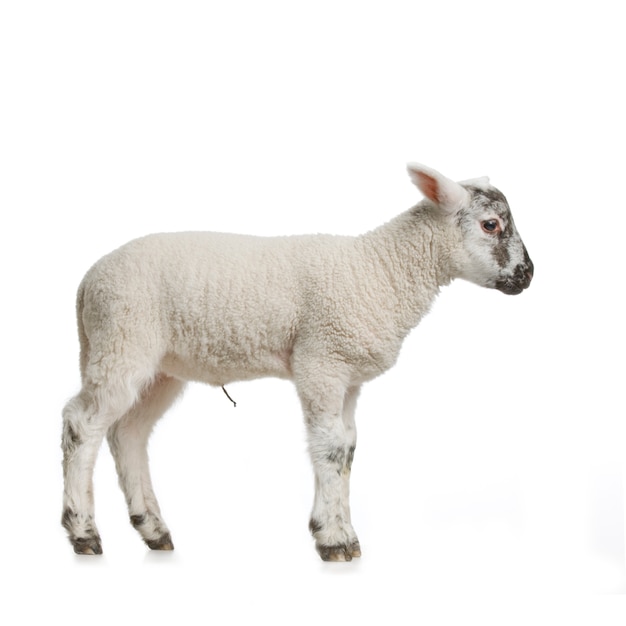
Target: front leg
(332, 439)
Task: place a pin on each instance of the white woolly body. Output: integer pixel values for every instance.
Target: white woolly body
(327, 312)
(216, 307)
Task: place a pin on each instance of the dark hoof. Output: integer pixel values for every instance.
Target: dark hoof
(87, 545)
(338, 553)
(162, 543)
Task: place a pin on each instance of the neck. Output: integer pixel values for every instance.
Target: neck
(412, 259)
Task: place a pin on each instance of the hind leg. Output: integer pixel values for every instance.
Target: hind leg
(128, 440)
(86, 418)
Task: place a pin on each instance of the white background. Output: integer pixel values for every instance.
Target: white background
(488, 476)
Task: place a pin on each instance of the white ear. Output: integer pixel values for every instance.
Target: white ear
(481, 183)
(445, 193)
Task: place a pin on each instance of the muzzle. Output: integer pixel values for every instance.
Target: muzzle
(520, 280)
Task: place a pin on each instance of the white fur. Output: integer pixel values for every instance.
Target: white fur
(329, 313)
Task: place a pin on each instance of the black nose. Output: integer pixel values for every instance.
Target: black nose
(529, 271)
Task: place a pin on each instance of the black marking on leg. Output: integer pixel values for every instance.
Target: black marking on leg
(350, 457)
(66, 519)
(70, 439)
(314, 526)
(137, 520)
(337, 455)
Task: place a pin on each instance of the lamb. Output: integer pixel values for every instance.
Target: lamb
(327, 312)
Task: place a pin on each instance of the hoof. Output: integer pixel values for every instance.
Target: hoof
(162, 543)
(355, 549)
(87, 545)
(339, 553)
(90, 544)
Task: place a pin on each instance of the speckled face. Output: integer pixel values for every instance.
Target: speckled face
(495, 255)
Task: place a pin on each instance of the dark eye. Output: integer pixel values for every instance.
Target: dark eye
(491, 226)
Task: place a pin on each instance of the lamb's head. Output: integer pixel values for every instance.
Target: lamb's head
(489, 250)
